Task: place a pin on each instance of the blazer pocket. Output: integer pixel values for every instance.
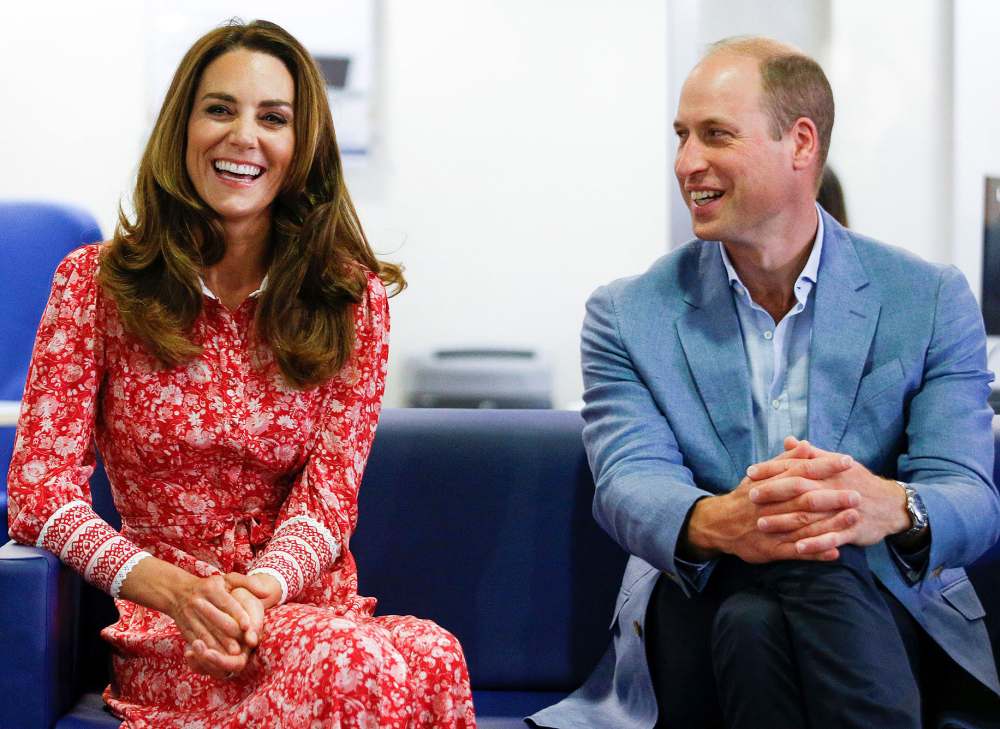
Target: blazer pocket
(962, 596)
(878, 381)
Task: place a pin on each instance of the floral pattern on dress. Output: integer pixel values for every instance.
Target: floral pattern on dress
(218, 465)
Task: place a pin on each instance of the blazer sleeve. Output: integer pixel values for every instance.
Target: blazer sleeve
(949, 458)
(317, 519)
(643, 489)
(47, 484)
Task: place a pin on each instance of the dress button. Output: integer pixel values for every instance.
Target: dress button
(769, 335)
(637, 628)
(776, 404)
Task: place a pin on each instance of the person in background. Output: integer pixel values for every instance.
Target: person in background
(831, 196)
(227, 350)
(776, 581)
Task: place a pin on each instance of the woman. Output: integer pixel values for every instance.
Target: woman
(227, 349)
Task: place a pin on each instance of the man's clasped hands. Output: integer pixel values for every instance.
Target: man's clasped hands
(222, 619)
(803, 504)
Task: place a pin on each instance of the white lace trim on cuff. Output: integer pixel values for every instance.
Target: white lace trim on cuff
(116, 584)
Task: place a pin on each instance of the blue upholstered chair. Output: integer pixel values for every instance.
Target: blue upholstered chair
(34, 237)
(477, 519)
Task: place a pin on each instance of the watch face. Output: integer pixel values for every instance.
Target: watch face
(918, 513)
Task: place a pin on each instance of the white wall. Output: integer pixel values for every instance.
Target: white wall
(891, 72)
(73, 87)
(976, 145)
(526, 152)
(521, 159)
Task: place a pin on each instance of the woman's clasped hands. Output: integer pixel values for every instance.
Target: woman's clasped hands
(222, 620)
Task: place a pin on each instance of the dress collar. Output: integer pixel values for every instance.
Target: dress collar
(252, 295)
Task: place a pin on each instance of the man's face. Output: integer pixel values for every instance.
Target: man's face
(736, 179)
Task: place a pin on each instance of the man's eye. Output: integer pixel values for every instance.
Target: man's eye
(717, 133)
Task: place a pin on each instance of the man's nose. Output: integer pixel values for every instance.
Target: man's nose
(690, 159)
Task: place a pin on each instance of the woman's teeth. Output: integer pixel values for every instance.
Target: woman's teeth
(238, 169)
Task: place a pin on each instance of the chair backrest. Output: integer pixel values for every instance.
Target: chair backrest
(481, 520)
(34, 237)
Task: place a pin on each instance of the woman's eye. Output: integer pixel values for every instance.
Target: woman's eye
(275, 119)
(217, 109)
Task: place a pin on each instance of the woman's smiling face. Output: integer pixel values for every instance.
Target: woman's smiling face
(240, 135)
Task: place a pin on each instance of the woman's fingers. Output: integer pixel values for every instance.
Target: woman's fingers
(194, 629)
(217, 591)
(218, 665)
(199, 616)
(254, 585)
(222, 662)
(223, 627)
(255, 610)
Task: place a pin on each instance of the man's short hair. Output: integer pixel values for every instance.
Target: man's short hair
(793, 85)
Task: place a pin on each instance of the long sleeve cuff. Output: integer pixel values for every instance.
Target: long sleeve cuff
(301, 549)
(88, 544)
(695, 574)
(913, 564)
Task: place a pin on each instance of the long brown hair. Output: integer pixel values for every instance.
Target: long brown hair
(318, 251)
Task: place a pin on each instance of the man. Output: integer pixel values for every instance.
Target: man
(777, 582)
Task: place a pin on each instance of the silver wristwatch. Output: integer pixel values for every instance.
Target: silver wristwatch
(917, 511)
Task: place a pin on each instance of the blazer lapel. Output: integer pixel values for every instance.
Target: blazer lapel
(844, 321)
(713, 346)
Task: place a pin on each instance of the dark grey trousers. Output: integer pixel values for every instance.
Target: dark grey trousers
(790, 645)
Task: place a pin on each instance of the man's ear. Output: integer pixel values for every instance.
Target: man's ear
(805, 140)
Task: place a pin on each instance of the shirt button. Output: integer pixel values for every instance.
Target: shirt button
(768, 335)
(776, 404)
(637, 627)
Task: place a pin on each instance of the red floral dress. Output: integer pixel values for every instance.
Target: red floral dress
(218, 465)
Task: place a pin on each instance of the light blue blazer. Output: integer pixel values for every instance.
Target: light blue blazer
(897, 379)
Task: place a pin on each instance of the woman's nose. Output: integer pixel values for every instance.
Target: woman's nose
(242, 133)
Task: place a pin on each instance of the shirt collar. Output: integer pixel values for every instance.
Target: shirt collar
(253, 294)
(810, 272)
